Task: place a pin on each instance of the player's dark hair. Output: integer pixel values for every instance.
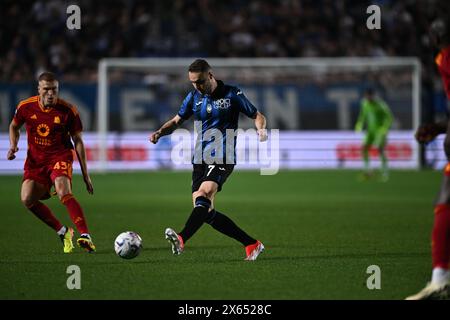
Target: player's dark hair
(47, 76)
(199, 65)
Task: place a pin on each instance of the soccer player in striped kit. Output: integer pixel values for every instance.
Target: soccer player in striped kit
(217, 106)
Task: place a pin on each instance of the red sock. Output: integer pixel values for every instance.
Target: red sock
(75, 212)
(44, 213)
(440, 245)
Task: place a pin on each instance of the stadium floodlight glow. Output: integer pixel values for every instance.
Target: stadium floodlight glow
(311, 66)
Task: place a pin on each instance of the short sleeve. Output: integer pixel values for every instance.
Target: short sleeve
(244, 105)
(75, 125)
(19, 117)
(185, 111)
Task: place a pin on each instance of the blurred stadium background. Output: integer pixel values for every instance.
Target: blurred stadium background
(314, 101)
(321, 228)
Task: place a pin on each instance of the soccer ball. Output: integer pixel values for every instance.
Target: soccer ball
(128, 245)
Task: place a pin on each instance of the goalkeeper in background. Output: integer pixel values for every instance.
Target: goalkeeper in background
(377, 116)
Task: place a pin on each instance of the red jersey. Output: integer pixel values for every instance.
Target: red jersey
(443, 62)
(48, 130)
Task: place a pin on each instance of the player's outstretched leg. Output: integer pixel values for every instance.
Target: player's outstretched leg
(366, 174)
(439, 287)
(63, 189)
(31, 192)
(197, 218)
(225, 225)
(66, 236)
(432, 291)
(175, 240)
(77, 217)
(254, 250)
(194, 222)
(365, 151)
(380, 142)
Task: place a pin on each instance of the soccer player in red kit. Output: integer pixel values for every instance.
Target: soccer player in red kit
(51, 123)
(439, 287)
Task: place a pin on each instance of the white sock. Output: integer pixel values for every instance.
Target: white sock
(62, 231)
(86, 235)
(440, 276)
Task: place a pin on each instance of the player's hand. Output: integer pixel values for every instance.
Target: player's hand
(154, 137)
(88, 182)
(11, 153)
(426, 133)
(262, 133)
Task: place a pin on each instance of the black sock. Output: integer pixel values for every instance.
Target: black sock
(225, 225)
(196, 219)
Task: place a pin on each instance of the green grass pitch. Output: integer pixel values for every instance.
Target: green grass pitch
(321, 229)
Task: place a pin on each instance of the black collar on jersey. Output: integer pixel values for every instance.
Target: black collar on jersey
(219, 92)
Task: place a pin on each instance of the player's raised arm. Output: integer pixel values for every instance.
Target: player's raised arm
(260, 124)
(81, 154)
(14, 135)
(166, 129)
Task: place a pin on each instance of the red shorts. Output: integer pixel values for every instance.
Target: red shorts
(47, 174)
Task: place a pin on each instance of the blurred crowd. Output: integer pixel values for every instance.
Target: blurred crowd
(34, 36)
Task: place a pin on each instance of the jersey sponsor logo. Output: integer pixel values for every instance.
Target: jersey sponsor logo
(43, 130)
(42, 141)
(57, 120)
(33, 117)
(222, 103)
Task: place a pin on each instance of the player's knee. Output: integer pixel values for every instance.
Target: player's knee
(197, 193)
(28, 201)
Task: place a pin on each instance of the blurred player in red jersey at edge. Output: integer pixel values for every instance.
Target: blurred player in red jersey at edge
(51, 123)
(439, 287)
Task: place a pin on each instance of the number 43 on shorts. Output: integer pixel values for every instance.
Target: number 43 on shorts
(62, 165)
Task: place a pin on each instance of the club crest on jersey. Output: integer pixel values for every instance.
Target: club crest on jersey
(43, 130)
(57, 120)
(209, 108)
(222, 103)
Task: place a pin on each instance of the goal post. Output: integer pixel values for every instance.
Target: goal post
(258, 69)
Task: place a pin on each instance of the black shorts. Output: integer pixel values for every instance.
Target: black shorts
(218, 173)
